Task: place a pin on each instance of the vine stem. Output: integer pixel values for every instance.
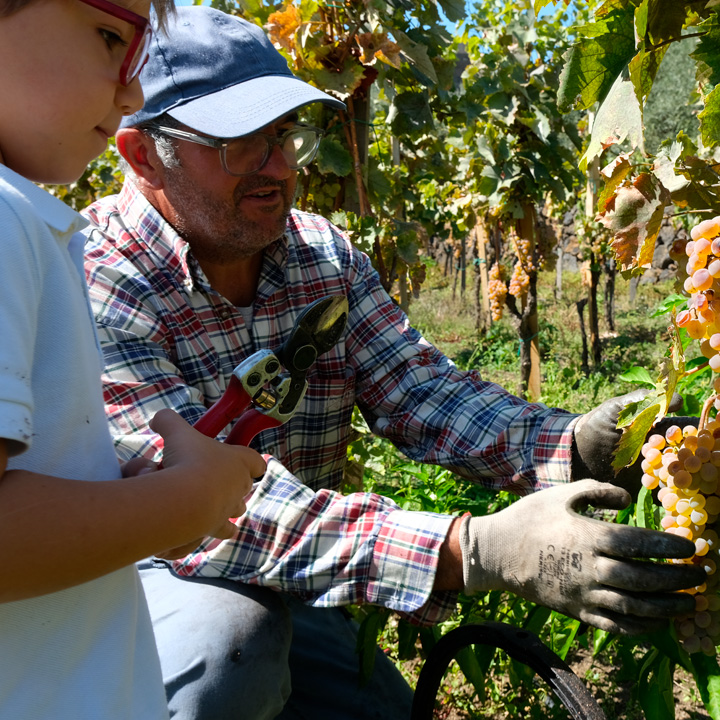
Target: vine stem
(706, 411)
(697, 369)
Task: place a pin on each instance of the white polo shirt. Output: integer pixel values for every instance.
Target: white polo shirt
(86, 653)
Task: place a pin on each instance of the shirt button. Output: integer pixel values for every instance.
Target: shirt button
(224, 313)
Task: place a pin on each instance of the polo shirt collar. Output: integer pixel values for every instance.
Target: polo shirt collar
(51, 210)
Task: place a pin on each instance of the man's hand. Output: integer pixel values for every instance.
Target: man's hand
(595, 571)
(596, 437)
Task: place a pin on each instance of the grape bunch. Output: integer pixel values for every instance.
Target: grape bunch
(497, 290)
(520, 280)
(684, 466)
(701, 320)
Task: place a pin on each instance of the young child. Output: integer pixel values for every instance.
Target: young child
(75, 636)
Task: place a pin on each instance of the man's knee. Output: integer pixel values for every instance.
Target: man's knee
(223, 647)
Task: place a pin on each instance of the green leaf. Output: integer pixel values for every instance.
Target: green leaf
(655, 687)
(706, 54)
(572, 627)
(410, 114)
(454, 9)
(407, 637)
(637, 375)
(342, 84)
(417, 54)
(710, 119)
(593, 64)
(470, 667)
(366, 644)
(633, 437)
(645, 510)
(333, 157)
(707, 676)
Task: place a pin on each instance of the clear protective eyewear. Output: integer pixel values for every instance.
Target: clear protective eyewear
(139, 47)
(249, 154)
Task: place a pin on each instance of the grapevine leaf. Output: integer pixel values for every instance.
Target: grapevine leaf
(707, 676)
(665, 21)
(643, 69)
(710, 119)
(333, 157)
(538, 5)
(634, 434)
(634, 216)
(454, 9)
(282, 26)
(618, 119)
(614, 173)
(417, 54)
(706, 55)
(594, 62)
(637, 375)
(342, 84)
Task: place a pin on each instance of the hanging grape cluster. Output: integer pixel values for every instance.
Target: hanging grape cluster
(683, 465)
(701, 320)
(520, 280)
(497, 290)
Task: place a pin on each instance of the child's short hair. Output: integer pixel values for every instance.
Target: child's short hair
(162, 8)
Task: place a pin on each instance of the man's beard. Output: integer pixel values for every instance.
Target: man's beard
(218, 232)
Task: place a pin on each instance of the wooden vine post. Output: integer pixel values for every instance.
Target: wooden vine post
(482, 318)
(528, 329)
(593, 179)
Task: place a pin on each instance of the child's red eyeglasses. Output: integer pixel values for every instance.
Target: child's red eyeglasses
(137, 52)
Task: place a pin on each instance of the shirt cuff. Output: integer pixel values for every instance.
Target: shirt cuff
(405, 561)
(553, 450)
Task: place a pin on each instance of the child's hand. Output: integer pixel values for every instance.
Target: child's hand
(214, 477)
(137, 466)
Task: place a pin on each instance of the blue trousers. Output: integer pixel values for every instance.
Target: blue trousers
(239, 652)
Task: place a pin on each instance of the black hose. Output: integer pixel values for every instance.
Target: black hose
(520, 645)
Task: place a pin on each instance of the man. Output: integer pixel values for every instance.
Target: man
(198, 263)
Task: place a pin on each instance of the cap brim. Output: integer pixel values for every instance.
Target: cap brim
(249, 106)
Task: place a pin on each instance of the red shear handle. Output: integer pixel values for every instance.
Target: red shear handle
(249, 424)
(233, 401)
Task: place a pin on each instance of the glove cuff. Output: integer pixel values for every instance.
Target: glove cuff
(480, 556)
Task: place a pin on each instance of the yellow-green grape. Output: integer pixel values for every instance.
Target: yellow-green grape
(497, 290)
(683, 467)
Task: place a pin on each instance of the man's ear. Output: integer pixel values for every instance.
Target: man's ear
(139, 152)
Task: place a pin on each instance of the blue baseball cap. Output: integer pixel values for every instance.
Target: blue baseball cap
(220, 75)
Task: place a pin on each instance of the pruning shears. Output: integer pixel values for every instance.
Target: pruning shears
(266, 388)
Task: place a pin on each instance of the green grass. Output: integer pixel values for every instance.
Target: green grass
(449, 323)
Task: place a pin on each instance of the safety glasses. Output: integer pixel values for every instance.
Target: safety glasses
(139, 47)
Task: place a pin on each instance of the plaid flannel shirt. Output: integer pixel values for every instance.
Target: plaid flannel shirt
(170, 340)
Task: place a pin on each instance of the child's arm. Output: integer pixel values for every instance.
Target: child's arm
(75, 531)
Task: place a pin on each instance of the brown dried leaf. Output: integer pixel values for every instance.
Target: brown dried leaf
(282, 26)
(634, 215)
(377, 45)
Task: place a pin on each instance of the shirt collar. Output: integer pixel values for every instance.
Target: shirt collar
(162, 243)
(51, 210)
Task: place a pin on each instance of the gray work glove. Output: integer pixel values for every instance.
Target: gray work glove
(541, 549)
(596, 437)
